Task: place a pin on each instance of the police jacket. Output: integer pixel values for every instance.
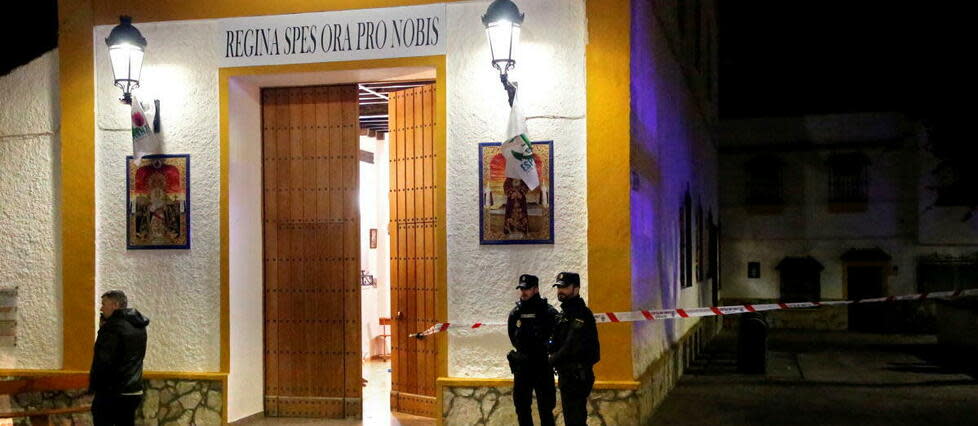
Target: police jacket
(530, 325)
(117, 366)
(575, 340)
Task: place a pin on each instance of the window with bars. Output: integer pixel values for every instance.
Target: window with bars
(953, 187)
(700, 243)
(686, 242)
(764, 181)
(848, 178)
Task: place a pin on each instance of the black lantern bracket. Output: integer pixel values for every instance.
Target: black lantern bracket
(510, 87)
(156, 116)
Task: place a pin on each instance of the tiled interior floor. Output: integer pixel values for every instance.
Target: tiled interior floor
(376, 405)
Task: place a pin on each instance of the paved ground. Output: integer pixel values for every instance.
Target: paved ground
(828, 378)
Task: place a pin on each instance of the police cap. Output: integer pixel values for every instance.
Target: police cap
(565, 279)
(528, 281)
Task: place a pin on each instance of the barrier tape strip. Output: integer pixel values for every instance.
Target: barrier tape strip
(646, 315)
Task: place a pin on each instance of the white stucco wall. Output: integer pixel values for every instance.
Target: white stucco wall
(179, 290)
(30, 224)
(550, 70)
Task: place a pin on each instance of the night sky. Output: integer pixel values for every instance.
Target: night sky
(27, 30)
(777, 57)
(809, 57)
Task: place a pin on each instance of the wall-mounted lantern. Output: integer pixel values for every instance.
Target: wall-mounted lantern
(503, 20)
(126, 46)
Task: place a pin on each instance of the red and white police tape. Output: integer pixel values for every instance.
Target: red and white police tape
(661, 314)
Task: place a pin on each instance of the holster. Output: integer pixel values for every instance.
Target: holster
(516, 361)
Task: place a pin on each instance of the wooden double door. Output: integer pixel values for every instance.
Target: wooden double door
(311, 227)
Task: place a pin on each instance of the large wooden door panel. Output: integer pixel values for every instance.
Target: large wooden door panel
(311, 251)
(414, 249)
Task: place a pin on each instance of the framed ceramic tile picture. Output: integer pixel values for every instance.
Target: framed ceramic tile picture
(510, 212)
(158, 202)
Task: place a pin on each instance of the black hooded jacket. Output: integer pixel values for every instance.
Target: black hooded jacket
(117, 366)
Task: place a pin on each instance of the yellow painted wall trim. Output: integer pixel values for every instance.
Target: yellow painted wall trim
(608, 138)
(107, 11)
(473, 382)
(185, 375)
(470, 382)
(77, 181)
(14, 372)
(150, 375)
(616, 384)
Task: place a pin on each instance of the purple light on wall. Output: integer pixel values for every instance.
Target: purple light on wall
(669, 153)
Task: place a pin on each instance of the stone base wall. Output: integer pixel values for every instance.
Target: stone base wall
(824, 318)
(181, 402)
(957, 326)
(165, 403)
(53, 399)
(659, 379)
(485, 406)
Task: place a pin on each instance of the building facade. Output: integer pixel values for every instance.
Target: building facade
(839, 207)
(625, 90)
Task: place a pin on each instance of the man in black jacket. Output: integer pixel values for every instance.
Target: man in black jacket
(530, 324)
(116, 377)
(574, 349)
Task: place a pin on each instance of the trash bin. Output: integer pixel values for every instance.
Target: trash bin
(752, 344)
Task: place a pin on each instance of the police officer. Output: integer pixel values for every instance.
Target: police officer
(574, 349)
(531, 323)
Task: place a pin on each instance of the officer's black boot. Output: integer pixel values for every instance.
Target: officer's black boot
(546, 393)
(523, 398)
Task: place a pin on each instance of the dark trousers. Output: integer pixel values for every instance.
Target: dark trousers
(575, 387)
(115, 410)
(537, 377)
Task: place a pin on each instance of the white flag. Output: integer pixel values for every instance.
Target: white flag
(144, 141)
(517, 149)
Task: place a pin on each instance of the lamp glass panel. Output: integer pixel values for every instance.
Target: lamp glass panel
(503, 38)
(127, 63)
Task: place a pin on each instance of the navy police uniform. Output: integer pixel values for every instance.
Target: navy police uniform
(574, 351)
(531, 323)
